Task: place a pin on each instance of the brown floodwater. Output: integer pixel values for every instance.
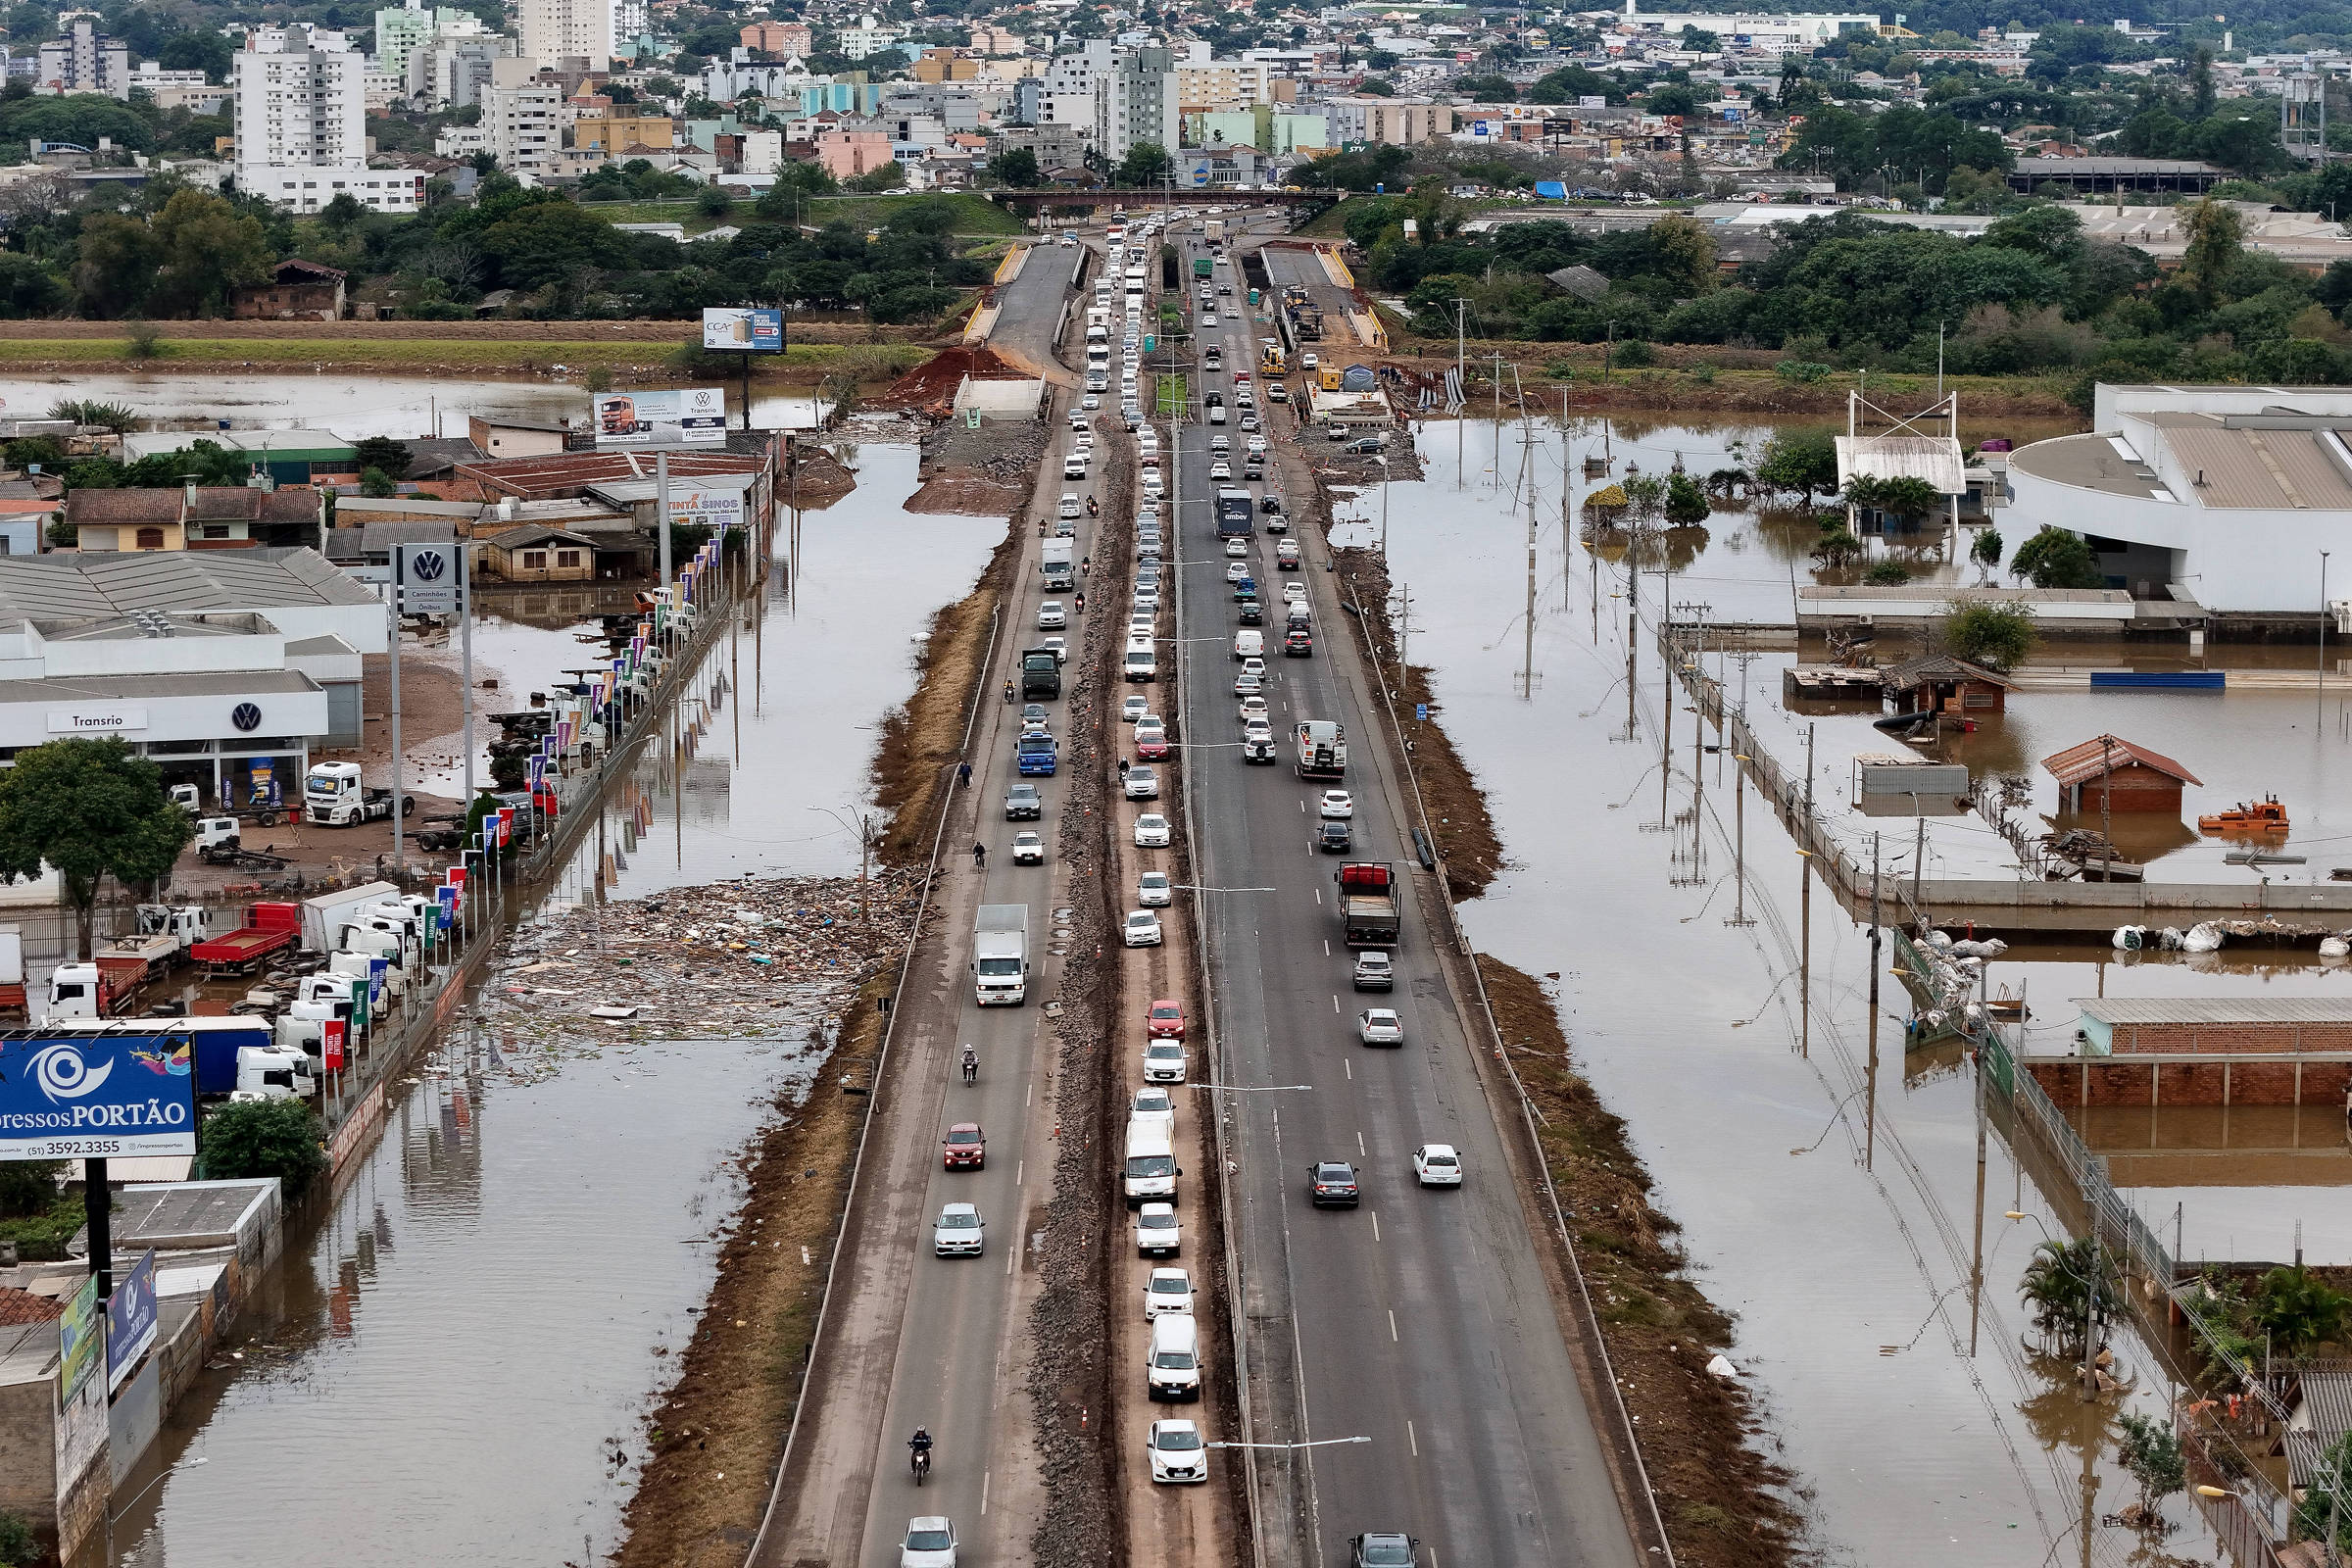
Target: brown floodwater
(1684, 996)
(449, 1362)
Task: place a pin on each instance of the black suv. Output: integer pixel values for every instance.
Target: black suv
(1331, 1184)
(1383, 1549)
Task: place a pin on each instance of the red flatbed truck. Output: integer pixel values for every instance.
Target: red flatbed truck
(268, 928)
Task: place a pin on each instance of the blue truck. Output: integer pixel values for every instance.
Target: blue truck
(1236, 513)
(1039, 756)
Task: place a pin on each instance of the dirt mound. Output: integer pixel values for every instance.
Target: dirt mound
(936, 381)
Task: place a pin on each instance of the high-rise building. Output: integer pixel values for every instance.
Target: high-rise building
(85, 60)
(525, 118)
(567, 30)
(301, 121)
(1135, 101)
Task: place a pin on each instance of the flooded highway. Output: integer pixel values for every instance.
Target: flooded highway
(451, 1361)
(1753, 1111)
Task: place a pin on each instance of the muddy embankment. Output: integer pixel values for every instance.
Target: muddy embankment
(1724, 1502)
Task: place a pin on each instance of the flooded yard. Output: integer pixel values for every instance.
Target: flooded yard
(1834, 1217)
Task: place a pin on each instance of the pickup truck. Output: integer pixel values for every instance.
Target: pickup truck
(1368, 916)
(268, 928)
(1039, 756)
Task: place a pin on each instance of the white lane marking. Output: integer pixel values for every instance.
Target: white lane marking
(1409, 1437)
(1011, 1252)
(1335, 1001)
(1019, 1167)
(1029, 1094)
(1350, 1067)
(986, 1474)
(1310, 844)
(1376, 1225)
(1360, 1146)
(1326, 941)
(1392, 1325)
(1301, 807)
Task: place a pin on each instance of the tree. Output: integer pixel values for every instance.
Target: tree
(342, 214)
(1837, 547)
(1146, 164)
(116, 264)
(2055, 558)
(1016, 168)
(1377, 87)
(2216, 241)
(1799, 462)
(1986, 552)
(375, 482)
(1685, 501)
(2298, 1311)
(2057, 1291)
(2319, 1508)
(29, 1187)
(713, 201)
(388, 453)
(90, 809)
(1904, 495)
(259, 1137)
(1996, 636)
(207, 247)
(2151, 1450)
(1684, 254)
(881, 177)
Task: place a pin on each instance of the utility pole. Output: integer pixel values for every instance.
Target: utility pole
(2090, 1300)
(2323, 707)
(2106, 818)
(1919, 858)
(1527, 659)
(398, 764)
(1869, 1106)
(1460, 370)
(1975, 1284)
(1804, 984)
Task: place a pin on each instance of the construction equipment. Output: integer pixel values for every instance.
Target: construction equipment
(2265, 815)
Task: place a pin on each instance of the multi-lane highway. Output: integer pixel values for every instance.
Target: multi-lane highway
(1422, 1319)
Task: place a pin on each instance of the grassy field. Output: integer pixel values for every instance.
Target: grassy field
(1171, 393)
(800, 362)
(975, 216)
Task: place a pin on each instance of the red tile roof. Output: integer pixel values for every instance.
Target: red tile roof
(2080, 764)
(22, 1306)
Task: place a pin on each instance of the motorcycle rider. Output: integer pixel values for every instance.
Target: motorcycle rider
(971, 1063)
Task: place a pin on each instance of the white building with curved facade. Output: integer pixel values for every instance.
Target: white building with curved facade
(2220, 497)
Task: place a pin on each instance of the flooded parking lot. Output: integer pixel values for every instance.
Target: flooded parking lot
(1754, 1109)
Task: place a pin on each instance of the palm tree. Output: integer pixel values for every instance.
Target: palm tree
(2057, 1289)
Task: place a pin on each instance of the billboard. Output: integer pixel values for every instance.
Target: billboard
(745, 330)
(81, 1337)
(695, 417)
(716, 510)
(430, 579)
(130, 1320)
(65, 1097)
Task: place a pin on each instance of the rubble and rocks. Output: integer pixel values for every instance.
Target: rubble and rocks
(932, 384)
(986, 472)
(736, 959)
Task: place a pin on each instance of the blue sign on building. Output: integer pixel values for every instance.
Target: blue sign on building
(130, 1320)
(67, 1095)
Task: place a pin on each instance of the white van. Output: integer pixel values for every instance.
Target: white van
(1173, 1368)
(1142, 662)
(1248, 643)
(1151, 1161)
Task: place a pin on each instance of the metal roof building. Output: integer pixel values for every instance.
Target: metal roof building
(303, 593)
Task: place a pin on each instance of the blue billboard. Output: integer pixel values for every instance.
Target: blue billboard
(96, 1096)
(130, 1320)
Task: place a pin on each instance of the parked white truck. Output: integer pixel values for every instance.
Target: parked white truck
(333, 796)
(164, 934)
(1001, 956)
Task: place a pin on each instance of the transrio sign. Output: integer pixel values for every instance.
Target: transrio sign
(99, 1096)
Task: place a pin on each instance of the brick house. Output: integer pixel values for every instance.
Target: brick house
(536, 553)
(2105, 772)
(297, 291)
(194, 517)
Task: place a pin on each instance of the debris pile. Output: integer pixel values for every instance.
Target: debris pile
(985, 472)
(933, 383)
(734, 960)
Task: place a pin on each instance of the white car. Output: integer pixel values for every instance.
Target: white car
(1168, 1289)
(1151, 1104)
(1237, 546)
(1379, 1026)
(1028, 849)
(1090, 403)
(1135, 708)
(1247, 685)
(959, 1232)
(1208, 318)
(930, 1543)
(1256, 734)
(1437, 1165)
(1164, 1061)
(1078, 422)
(1237, 571)
(1255, 666)
(1257, 443)
(1156, 1233)
(1142, 929)
(1143, 784)
(1293, 593)
(1058, 647)
(1153, 891)
(1146, 596)
(1178, 1455)
(1253, 708)
(1151, 831)
(1336, 805)
(1250, 423)
(1220, 470)
(1052, 616)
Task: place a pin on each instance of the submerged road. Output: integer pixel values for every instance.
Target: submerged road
(1422, 1320)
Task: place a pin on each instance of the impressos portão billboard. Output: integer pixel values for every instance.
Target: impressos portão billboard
(96, 1097)
(743, 329)
(696, 416)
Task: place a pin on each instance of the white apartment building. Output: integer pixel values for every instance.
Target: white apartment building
(566, 29)
(1222, 87)
(1135, 101)
(272, 39)
(1066, 96)
(1760, 32)
(450, 72)
(178, 89)
(302, 141)
(1403, 122)
(868, 38)
(524, 121)
(85, 60)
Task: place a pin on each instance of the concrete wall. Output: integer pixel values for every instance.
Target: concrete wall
(29, 1449)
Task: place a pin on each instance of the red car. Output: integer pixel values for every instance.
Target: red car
(1165, 1021)
(965, 1148)
(1150, 742)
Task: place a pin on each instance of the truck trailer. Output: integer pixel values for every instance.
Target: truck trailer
(1322, 749)
(1368, 915)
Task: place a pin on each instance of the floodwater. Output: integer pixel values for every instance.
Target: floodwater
(1749, 1094)
(351, 407)
(451, 1362)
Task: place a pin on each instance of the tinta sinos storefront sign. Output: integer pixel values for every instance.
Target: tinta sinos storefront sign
(64, 1096)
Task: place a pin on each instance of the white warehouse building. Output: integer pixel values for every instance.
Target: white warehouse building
(2219, 497)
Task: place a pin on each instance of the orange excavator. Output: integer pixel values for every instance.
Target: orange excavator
(2265, 815)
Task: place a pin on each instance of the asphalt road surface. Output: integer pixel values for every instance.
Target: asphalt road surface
(1030, 307)
(1420, 1320)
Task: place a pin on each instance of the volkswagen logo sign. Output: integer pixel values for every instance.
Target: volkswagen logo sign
(428, 564)
(247, 716)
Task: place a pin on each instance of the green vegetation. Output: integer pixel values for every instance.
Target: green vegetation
(2322, 1503)
(1172, 395)
(90, 809)
(2057, 558)
(35, 1215)
(2151, 1450)
(2057, 1286)
(261, 1137)
(1998, 636)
